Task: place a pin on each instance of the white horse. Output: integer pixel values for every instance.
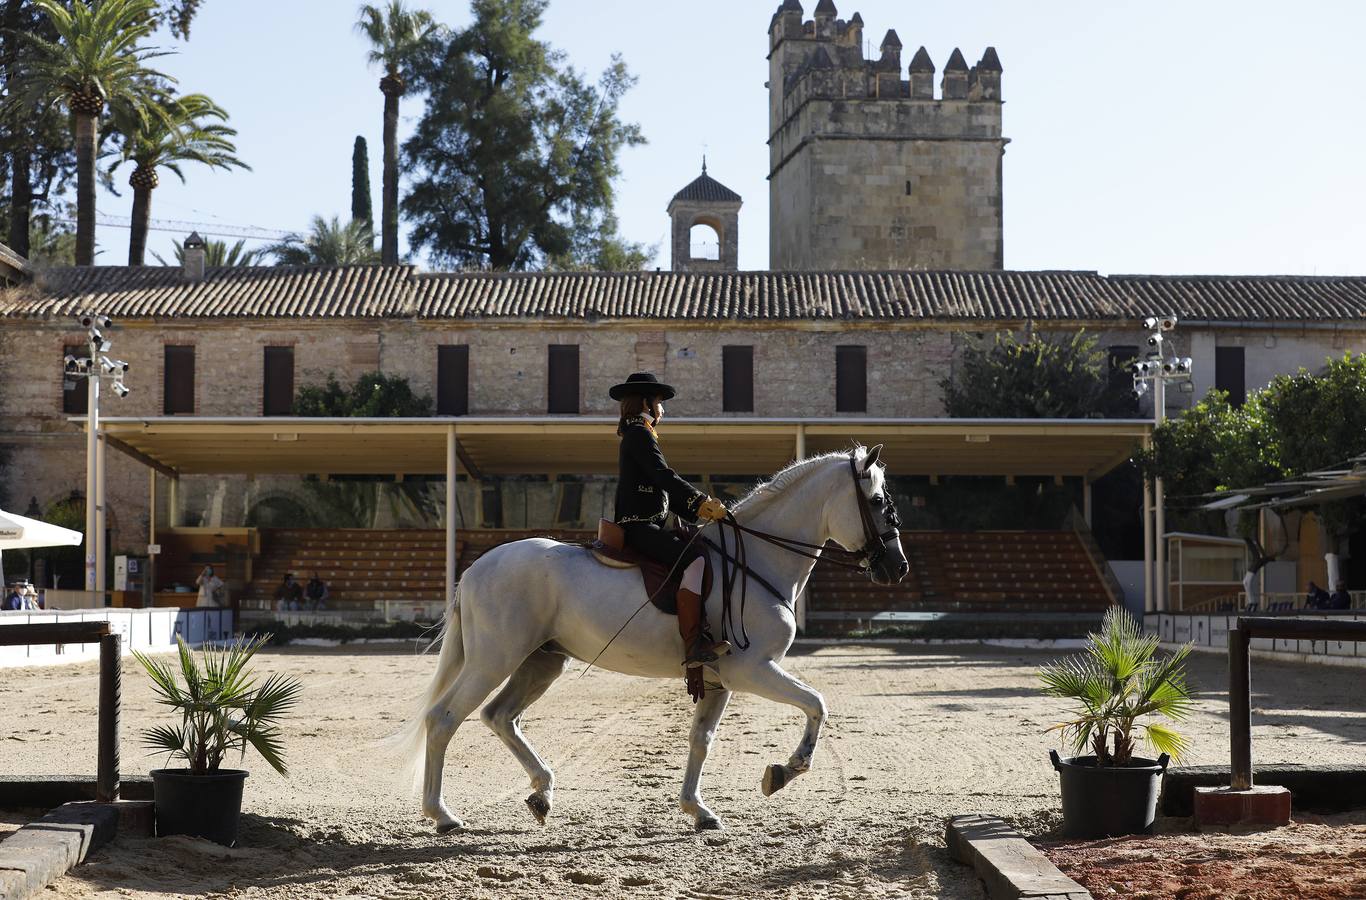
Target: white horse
(526, 608)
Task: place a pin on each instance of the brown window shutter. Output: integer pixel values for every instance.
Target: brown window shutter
(279, 387)
(737, 379)
(562, 379)
(453, 380)
(75, 391)
(178, 380)
(851, 379)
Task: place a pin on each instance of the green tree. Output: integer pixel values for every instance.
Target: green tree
(1064, 377)
(515, 155)
(396, 36)
(328, 243)
(361, 210)
(596, 247)
(218, 254)
(192, 129)
(95, 64)
(374, 395)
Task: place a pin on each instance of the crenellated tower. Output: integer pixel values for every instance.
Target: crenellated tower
(868, 169)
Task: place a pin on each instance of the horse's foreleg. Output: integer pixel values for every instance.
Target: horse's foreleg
(503, 716)
(706, 716)
(769, 681)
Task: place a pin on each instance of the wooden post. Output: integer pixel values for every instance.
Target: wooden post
(107, 774)
(1240, 707)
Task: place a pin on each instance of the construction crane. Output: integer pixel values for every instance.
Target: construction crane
(208, 229)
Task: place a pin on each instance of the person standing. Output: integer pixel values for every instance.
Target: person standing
(209, 587)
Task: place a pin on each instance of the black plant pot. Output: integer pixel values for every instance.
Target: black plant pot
(206, 806)
(1104, 801)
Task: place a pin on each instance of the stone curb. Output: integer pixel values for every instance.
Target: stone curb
(51, 791)
(1010, 866)
(43, 850)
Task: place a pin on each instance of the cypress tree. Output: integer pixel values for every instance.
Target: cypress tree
(360, 185)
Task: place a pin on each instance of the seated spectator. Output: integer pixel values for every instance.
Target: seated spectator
(14, 599)
(31, 597)
(317, 593)
(1340, 599)
(290, 594)
(1315, 597)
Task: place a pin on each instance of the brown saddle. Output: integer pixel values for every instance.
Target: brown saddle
(610, 549)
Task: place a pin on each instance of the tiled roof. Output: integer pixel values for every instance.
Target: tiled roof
(706, 189)
(375, 292)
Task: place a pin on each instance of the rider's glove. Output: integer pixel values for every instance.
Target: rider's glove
(712, 510)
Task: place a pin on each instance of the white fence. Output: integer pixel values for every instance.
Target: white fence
(147, 630)
(1210, 632)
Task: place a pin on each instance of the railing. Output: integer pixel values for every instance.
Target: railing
(383, 611)
(1268, 602)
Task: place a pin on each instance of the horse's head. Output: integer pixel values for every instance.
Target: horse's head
(863, 519)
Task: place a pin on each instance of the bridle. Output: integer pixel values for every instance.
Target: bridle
(733, 568)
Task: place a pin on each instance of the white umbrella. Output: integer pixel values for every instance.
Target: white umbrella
(22, 533)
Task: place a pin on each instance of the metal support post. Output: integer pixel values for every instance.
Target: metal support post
(92, 415)
(1240, 708)
(101, 535)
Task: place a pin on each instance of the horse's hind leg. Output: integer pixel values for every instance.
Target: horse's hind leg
(706, 716)
(503, 715)
(769, 681)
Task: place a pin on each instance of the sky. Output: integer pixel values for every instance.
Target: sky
(1210, 137)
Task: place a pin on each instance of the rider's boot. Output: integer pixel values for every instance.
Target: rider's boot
(701, 649)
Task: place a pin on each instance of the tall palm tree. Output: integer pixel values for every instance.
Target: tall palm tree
(396, 34)
(328, 243)
(95, 64)
(193, 129)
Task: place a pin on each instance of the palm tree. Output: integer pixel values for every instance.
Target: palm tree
(96, 63)
(328, 244)
(217, 254)
(193, 130)
(396, 34)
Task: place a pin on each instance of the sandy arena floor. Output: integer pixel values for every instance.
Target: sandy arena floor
(916, 734)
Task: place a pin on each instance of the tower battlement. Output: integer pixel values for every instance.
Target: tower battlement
(870, 167)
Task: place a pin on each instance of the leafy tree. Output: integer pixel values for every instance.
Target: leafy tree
(328, 243)
(598, 248)
(396, 36)
(361, 210)
(374, 395)
(1038, 378)
(218, 254)
(514, 157)
(192, 129)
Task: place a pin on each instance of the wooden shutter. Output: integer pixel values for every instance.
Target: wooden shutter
(851, 379)
(75, 391)
(1230, 373)
(562, 379)
(737, 379)
(279, 381)
(178, 380)
(453, 380)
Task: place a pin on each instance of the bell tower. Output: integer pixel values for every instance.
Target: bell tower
(706, 221)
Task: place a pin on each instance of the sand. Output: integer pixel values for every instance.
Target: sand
(916, 734)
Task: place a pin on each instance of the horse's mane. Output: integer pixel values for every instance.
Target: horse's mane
(766, 492)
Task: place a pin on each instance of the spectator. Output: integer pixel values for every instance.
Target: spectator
(31, 597)
(317, 593)
(1315, 597)
(210, 588)
(290, 594)
(14, 600)
(1340, 598)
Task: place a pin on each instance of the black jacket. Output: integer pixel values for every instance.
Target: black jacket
(647, 488)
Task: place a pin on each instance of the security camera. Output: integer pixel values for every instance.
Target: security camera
(1154, 340)
(1137, 393)
(1169, 323)
(1150, 323)
(69, 362)
(86, 321)
(1187, 365)
(1169, 366)
(105, 321)
(120, 389)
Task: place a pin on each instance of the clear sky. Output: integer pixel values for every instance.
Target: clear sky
(1217, 136)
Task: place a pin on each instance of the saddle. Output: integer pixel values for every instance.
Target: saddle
(610, 549)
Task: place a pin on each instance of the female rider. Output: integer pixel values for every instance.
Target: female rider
(647, 491)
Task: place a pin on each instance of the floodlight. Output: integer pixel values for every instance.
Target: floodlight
(1150, 323)
(1154, 340)
(1169, 323)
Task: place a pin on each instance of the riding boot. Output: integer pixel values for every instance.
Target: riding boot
(700, 647)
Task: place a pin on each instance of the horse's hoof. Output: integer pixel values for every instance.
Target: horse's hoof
(774, 778)
(710, 823)
(448, 826)
(539, 806)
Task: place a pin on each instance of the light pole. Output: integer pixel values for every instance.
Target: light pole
(1156, 369)
(94, 368)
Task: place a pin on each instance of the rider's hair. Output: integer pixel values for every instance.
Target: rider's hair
(632, 405)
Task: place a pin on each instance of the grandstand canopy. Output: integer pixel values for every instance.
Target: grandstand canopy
(588, 445)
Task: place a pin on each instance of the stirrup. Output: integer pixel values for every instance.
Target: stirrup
(704, 652)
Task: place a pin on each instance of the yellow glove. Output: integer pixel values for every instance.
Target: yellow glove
(712, 510)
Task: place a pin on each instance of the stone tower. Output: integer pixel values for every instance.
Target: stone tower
(867, 168)
(705, 201)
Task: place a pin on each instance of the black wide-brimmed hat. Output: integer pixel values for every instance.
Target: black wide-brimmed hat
(645, 384)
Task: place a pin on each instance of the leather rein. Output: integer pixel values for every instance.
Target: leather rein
(733, 568)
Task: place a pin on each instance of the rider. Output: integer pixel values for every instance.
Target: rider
(647, 491)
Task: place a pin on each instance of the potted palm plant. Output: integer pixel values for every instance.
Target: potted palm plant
(222, 710)
(1120, 689)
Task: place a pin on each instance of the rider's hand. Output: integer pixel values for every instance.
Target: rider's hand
(712, 510)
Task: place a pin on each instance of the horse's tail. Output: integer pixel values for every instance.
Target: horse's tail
(409, 745)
